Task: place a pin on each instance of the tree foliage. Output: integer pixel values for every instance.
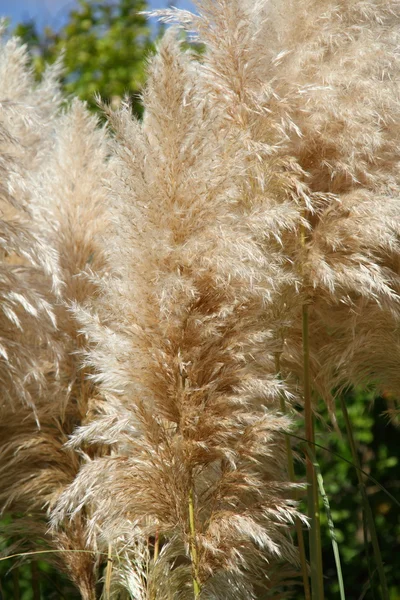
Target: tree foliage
(103, 44)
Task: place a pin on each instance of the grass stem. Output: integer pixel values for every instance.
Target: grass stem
(109, 568)
(156, 545)
(193, 547)
(290, 461)
(335, 546)
(317, 585)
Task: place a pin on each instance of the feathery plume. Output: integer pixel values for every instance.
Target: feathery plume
(318, 110)
(261, 185)
(178, 345)
(65, 201)
(28, 268)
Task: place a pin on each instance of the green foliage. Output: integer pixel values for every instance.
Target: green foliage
(16, 579)
(379, 454)
(104, 45)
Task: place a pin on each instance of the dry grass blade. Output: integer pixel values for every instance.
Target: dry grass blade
(109, 569)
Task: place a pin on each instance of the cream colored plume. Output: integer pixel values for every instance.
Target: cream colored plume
(312, 90)
(28, 266)
(61, 191)
(177, 256)
(179, 345)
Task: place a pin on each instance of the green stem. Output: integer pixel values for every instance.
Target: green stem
(290, 461)
(325, 499)
(366, 504)
(317, 584)
(371, 569)
(193, 547)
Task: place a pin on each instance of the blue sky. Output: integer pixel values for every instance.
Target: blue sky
(53, 12)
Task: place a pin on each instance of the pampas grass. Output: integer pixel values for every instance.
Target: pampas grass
(28, 267)
(198, 455)
(190, 285)
(63, 203)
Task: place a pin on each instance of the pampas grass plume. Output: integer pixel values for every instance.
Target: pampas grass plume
(155, 277)
(193, 424)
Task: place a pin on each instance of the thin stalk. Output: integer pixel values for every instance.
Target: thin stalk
(371, 570)
(335, 546)
(193, 548)
(156, 545)
(290, 461)
(317, 585)
(109, 568)
(366, 504)
(35, 580)
(365, 589)
(36, 552)
(156, 553)
(192, 523)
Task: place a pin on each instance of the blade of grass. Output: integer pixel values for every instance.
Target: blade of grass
(376, 482)
(366, 504)
(331, 525)
(299, 530)
(317, 584)
(52, 551)
(365, 589)
(370, 565)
